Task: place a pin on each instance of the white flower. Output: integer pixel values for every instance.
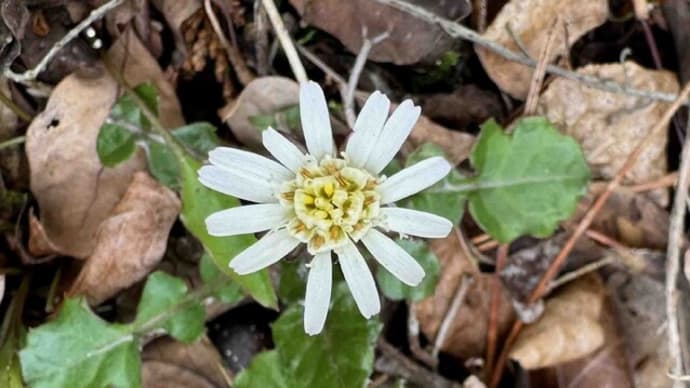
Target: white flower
(327, 201)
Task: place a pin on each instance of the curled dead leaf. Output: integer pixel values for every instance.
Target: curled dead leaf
(608, 125)
(568, 329)
(168, 363)
(467, 334)
(131, 241)
(530, 21)
(75, 193)
(262, 96)
(410, 39)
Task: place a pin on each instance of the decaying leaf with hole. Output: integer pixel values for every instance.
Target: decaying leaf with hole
(467, 334)
(568, 329)
(168, 363)
(131, 241)
(75, 193)
(410, 39)
(608, 125)
(263, 96)
(526, 25)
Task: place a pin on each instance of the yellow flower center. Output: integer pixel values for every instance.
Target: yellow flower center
(331, 201)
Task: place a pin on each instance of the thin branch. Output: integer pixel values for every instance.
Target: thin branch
(675, 241)
(584, 224)
(14, 107)
(316, 61)
(540, 71)
(457, 30)
(285, 41)
(585, 269)
(12, 142)
(393, 362)
(349, 95)
(465, 282)
(244, 75)
(413, 338)
(96, 14)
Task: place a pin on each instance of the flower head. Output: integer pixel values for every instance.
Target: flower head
(328, 201)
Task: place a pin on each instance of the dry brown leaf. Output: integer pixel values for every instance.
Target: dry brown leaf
(129, 56)
(605, 368)
(628, 217)
(168, 363)
(530, 21)
(467, 334)
(263, 96)
(176, 12)
(411, 39)
(639, 303)
(457, 145)
(466, 105)
(75, 193)
(131, 241)
(568, 329)
(609, 125)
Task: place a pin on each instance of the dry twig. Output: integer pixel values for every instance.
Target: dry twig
(394, 363)
(457, 30)
(540, 72)
(675, 242)
(584, 224)
(244, 75)
(285, 41)
(349, 93)
(465, 282)
(31, 74)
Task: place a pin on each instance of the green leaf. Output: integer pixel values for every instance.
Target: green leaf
(527, 182)
(445, 204)
(261, 122)
(265, 371)
(78, 349)
(293, 281)
(163, 164)
(164, 304)
(394, 289)
(114, 144)
(198, 137)
(198, 202)
(127, 111)
(227, 290)
(341, 356)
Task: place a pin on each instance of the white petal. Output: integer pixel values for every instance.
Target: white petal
(393, 258)
(394, 133)
(249, 162)
(413, 179)
(367, 128)
(247, 219)
(416, 223)
(268, 250)
(359, 279)
(318, 295)
(282, 149)
(237, 184)
(316, 122)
